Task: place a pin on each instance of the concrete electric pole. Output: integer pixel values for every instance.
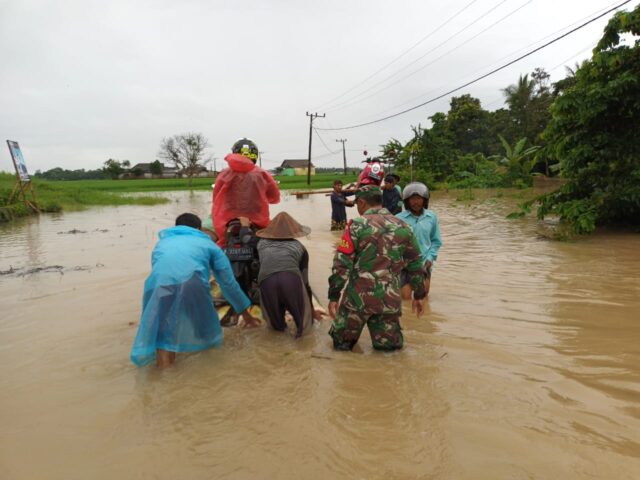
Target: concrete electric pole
(311, 116)
(344, 154)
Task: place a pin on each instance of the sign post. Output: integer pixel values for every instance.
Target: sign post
(23, 181)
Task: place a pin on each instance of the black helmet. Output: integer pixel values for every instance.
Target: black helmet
(415, 188)
(247, 148)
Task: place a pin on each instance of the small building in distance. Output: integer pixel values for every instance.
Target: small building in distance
(151, 170)
(146, 170)
(296, 167)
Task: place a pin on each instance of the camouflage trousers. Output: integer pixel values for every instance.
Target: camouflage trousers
(385, 330)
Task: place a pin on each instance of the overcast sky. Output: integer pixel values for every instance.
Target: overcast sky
(84, 81)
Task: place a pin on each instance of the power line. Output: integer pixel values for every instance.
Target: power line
(477, 79)
(400, 70)
(432, 61)
(399, 56)
(323, 142)
(515, 52)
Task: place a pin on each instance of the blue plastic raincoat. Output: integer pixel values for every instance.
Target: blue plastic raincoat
(177, 308)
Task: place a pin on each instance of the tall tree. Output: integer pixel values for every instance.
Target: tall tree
(156, 167)
(529, 101)
(114, 168)
(187, 152)
(594, 132)
(468, 123)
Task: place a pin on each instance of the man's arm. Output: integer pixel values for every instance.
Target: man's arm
(223, 273)
(414, 265)
(338, 198)
(342, 264)
(436, 241)
(247, 236)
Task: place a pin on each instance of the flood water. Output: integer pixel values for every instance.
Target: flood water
(526, 364)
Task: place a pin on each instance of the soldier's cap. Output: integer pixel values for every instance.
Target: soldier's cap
(368, 190)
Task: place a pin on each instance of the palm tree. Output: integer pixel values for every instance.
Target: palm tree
(520, 97)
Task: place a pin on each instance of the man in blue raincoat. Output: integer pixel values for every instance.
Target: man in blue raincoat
(178, 314)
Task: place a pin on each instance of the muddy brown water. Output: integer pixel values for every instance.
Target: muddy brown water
(526, 364)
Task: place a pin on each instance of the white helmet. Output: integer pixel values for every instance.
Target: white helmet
(416, 188)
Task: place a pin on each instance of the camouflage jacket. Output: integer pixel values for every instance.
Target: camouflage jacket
(372, 252)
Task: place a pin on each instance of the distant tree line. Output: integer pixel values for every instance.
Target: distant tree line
(186, 152)
(58, 173)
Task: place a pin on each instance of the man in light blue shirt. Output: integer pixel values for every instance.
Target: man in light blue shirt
(426, 228)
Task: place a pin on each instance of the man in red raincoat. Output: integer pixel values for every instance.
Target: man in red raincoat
(242, 190)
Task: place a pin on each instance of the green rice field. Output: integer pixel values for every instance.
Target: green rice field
(55, 196)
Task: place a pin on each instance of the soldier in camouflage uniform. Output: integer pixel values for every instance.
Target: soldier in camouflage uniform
(374, 249)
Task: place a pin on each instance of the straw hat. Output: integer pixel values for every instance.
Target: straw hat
(283, 226)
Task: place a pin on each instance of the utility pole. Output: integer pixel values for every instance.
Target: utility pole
(311, 118)
(344, 154)
(260, 158)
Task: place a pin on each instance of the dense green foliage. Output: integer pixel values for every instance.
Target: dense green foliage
(472, 147)
(594, 132)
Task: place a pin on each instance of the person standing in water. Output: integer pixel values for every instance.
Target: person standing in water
(391, 198)
(338, 203)
(426, 228)
(242, 190)
(177, 308)
(374, 249)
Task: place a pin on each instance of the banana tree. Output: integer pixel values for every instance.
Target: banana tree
(518, 160)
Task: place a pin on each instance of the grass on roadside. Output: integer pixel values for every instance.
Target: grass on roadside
(57, 196)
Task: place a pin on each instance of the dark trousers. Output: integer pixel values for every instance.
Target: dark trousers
(280, 292)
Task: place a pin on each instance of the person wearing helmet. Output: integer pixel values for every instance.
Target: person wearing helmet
(242, 190)
(426, 228)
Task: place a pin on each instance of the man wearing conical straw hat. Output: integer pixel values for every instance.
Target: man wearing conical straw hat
(283, 277)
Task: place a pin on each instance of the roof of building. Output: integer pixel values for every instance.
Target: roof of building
(146, 167)
(296, 164)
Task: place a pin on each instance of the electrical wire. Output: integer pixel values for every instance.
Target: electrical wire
(510, 55)
(323, 142)
(401, 69)
(477, 79)
(442, 25)
(432, 61)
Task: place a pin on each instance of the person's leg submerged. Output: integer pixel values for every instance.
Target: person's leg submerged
(385, 331)
(346, 329)
(165, 358)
